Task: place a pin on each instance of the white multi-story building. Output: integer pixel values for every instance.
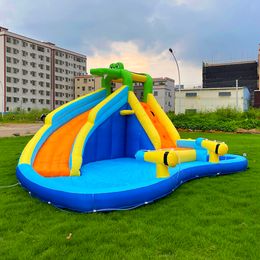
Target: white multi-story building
(35, 74)
(163, 91)
(210, 99)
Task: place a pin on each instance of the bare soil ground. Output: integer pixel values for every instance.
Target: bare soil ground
(7, 130)
(19, 129)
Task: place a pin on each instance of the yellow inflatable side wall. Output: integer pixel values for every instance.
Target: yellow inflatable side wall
(144, 120)
(163, 118)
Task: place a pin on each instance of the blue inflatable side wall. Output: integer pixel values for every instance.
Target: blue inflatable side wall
(118, 136)
(70, 111)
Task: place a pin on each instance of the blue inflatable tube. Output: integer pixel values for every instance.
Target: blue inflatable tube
(123, 184)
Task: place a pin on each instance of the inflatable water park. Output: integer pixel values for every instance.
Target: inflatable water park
(109, 151)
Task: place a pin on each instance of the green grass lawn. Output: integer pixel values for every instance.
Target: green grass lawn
(208, 218)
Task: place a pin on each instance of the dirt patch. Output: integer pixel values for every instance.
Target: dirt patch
(7, 130)
(248, 131)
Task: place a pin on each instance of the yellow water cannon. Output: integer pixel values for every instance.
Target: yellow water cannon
(165, 158)
(215, 148)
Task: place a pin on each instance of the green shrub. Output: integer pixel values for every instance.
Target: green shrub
(227, 120)
(23, 116)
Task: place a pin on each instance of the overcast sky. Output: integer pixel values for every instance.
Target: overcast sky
(139, 33)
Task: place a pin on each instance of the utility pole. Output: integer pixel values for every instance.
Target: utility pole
(237, 94)
(179, 77)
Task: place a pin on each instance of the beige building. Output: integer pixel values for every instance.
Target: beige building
(35, 74)
(85, 84)
(210, 99)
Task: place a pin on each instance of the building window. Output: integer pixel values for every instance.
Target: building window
(25, 100)
(8, 69)
(8, 39)
(15, 61)
(16, 80)
(25, 81)
(15, 70)
(16, 99)
(25, 62)
(25, 72)
(33, 73)
(28, 109)
(33, 55)
(155, 93)
(15, 51)
(33, 46)
(25, 53)
(15, 41)
(224, 94)
(25, 44)
(25, 90)
(8, 89)
(8, 99)
(8, 49)
(47, 67)
(8, 79)
(47, 59)
(33, 100)
(33, 82)
(39, 48)
(191, 94)
(8, 59)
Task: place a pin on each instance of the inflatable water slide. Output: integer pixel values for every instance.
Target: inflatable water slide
(109, 151)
